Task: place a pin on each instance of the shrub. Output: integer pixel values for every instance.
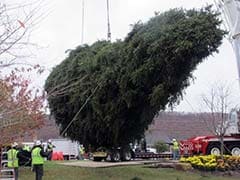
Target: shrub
(161, 146)
(212, 162)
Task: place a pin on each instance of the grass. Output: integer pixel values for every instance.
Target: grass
(54, 171)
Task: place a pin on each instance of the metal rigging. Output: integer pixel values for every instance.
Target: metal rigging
(108, 23)
(230, 10)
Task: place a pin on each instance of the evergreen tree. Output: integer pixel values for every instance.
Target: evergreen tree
(130, 81)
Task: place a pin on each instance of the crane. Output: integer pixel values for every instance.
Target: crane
(230, 10)
(108, 22)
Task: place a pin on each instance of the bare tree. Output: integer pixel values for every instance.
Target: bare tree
(17, 22)
(21, 106)
(219, 105)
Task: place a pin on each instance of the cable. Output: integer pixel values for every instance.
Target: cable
(76, 115)
(82, 21)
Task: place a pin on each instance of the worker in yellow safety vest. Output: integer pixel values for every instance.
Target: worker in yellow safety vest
(81, 152)
(38, 155)
(50, 147)
(26, 148)
(12, 156)
(175, 149)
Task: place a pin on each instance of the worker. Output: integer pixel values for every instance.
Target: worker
(50, 147)
(81, 152)
(26, 147)
(144, 145)
(12, 156)
(175, 149)
(38, 155)
(25, 153)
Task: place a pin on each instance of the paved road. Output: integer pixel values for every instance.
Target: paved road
(87, 163)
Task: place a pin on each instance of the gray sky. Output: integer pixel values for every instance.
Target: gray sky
(62, 30)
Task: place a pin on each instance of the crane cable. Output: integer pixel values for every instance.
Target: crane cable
(94, 91)
(82, 21)
(81, 108)
(108, 22)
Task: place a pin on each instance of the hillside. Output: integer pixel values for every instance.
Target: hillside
(168, 125)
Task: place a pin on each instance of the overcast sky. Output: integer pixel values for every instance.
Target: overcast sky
(62, 30)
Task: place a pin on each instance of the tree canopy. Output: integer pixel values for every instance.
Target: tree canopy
(21, 107)
(17, 21)
(127, 82)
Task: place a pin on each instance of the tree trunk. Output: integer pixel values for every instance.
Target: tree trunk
(221, 145)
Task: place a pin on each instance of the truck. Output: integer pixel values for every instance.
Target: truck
(206, 145)
(210, 144)
(70, 149)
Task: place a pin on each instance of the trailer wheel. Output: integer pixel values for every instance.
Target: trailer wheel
(126, 156)
(235, 150)
(214, 149)
(115, 156)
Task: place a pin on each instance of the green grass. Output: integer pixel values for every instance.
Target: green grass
(54, 171)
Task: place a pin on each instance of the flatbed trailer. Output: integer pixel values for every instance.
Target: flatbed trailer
(147, 155)
(116, 156)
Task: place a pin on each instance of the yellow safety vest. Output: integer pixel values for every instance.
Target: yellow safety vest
(175, 145)
(50, 147)
(36, 156)
(12, 158)
(81, 150)
(26, 148)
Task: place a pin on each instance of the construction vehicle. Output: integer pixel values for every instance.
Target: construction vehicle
(231, 17)
(211, 144)
(127, 154)
(206, 145)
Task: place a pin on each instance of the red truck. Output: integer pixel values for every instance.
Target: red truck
(210, 145)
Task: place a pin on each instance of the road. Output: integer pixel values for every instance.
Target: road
(88, 163)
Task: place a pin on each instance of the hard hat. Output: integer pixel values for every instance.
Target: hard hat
(14, 144)
(49, 140)
(173, 139)
(37, 143)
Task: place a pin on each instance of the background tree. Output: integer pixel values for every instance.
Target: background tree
(117, 88)
(219, 102)
(17, 21)
(21, 107)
